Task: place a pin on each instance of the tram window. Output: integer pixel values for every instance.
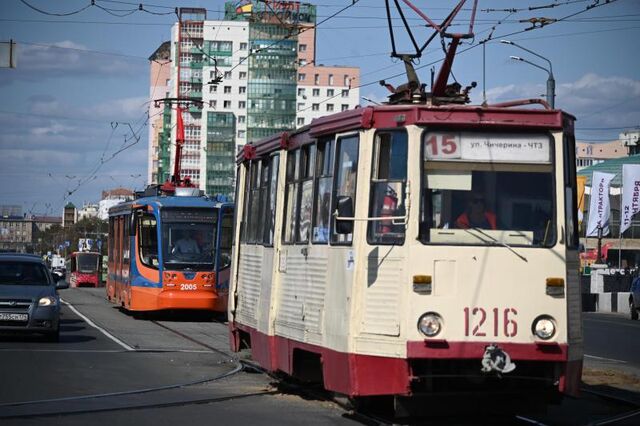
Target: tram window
(388, 185)
(245, 209)
(148, 240)
(110, 239)
(254, 202)
(264, 187)
(307, 165)
(570, 185)
(324, 173)
(271, 212)
(226, 238)
(488, 204)
(126, 241)
(346, 172)
(293, 173)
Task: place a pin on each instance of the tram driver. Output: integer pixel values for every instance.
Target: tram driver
(186, 244)
(476, 215)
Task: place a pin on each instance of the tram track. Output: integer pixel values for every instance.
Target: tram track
(287, 386)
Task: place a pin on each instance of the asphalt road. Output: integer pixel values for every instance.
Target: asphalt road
(128, 372)
(613, 338)
(111, 368)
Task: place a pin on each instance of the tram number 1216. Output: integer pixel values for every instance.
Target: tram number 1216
(478, 322)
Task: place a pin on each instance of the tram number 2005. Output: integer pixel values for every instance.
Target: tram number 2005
(188, 287)
(498, 322)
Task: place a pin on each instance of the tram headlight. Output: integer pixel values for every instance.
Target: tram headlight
(544, 327)
(430, 324)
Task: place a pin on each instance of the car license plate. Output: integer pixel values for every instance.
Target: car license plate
(13, 317)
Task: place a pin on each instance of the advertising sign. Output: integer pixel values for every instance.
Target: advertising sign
(630, 194)
(599, 208)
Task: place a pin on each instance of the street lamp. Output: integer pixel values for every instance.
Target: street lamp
(551, 82)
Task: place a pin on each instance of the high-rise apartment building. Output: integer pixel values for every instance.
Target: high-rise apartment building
(244, 74)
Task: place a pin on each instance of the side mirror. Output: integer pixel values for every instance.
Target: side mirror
(344, 208)
(61, 285)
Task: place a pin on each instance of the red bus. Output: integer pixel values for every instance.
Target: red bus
(83, 269)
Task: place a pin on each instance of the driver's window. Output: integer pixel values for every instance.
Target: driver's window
(226, 238)
(148, 240)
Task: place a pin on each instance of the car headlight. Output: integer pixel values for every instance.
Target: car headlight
(430, 324)
(544, 327)
(48, 301)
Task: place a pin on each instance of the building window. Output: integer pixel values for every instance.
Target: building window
(302, 48)
(330, 79)
(330, 92)
(315, 107)
(344, 107)
(243, 46)
(227, 75)
(227, 104)
(242, 89)
(301, 77)
(227, 89)
(243, 75)
(345, 93)
(316, 79)
(213, 89)
(242, 60)
(300, 121)
(213, 104)
(242, 104)
(300, 105)
(241, 119)
(316, 92)
(329, 107)
(302, 62)
(241, 134)
(347, 81)
(301, 92)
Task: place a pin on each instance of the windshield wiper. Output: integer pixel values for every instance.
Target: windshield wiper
(492, 241)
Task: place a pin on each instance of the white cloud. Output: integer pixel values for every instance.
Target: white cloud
(596, 101)
(66, 59)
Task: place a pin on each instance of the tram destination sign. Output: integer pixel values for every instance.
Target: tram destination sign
(488, 147)
(202, 215)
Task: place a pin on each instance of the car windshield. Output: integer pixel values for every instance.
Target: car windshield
(494, 189)
(87, 262)
(23, 273)
(188, 239)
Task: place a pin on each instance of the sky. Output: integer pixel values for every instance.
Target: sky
(73, 113)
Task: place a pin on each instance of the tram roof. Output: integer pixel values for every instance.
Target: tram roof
(169, 201)
(392, 116)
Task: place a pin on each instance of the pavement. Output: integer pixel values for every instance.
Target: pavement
(611, 351)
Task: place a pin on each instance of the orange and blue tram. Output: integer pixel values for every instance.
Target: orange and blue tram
(170, 252)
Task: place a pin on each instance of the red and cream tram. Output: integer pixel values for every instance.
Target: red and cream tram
(422, 247)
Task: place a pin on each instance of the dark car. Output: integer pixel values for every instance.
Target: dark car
(29, 301)
(634, 298)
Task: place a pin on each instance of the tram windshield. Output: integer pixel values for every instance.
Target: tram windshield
(188, 239)
(488, 189)
(87, 262)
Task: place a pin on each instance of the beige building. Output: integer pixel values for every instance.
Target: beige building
(322, 90)
(16, 234)
(160, 79)
(589, 153)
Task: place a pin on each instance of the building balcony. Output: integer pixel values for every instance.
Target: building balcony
(195, 94)
(195, 110)
(196, 65)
